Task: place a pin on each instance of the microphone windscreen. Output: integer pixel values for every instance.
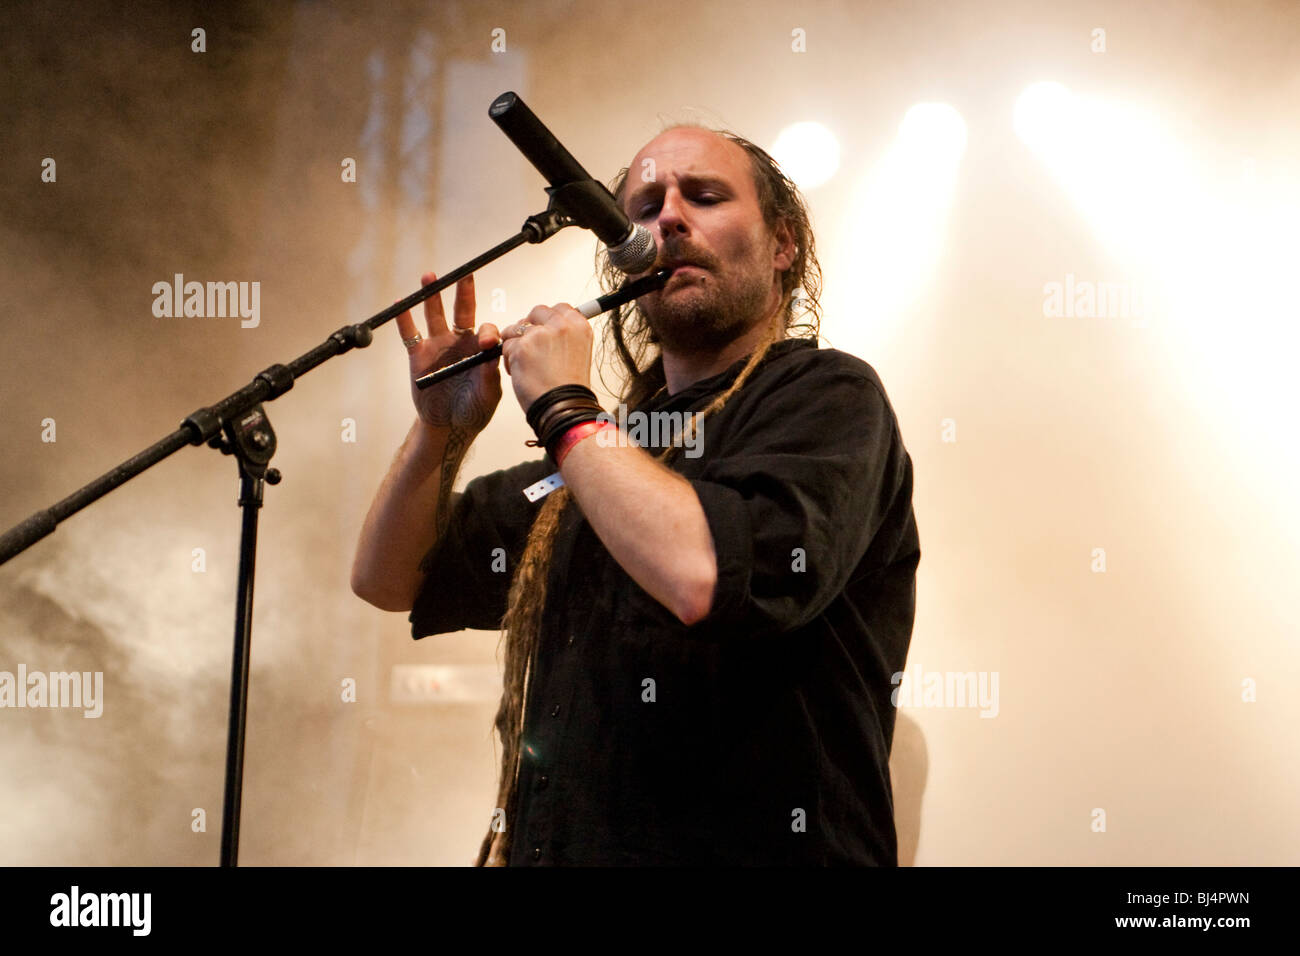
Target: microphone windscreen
(636, 253)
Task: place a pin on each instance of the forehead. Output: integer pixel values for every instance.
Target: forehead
(689, 151)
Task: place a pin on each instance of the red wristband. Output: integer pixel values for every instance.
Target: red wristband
(576, 434)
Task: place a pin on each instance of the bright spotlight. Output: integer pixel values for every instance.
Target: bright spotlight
(808, 152)
(1220, 262)
(934, 132)
(1132, 181)
(1042, 113)
(900, 211)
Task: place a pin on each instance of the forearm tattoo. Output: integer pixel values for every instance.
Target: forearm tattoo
(457, 444)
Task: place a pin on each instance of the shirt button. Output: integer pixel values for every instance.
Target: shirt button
(537, 853)
(542, 781)
(555, 711)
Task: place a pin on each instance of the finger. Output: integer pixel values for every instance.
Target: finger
(434, 316)
(464, 309)
(540, 315)
(509, 352)
(563, 310)
(406, 326)
(488, 336)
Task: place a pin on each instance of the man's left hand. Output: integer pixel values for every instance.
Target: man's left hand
(551, 347)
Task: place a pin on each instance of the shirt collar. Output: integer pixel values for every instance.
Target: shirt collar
(716, 383)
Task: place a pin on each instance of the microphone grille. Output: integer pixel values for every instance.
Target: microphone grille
(636, 253)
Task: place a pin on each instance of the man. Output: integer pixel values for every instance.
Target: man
(700, 649)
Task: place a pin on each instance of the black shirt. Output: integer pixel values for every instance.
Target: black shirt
(761, 734)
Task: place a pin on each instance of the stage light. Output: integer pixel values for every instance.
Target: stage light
(1041, 113)
(1158, 204)
(808, 152)
(934, 134)
(1131, 181)
(899, 213)
(1214, 256)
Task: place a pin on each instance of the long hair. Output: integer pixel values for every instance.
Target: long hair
(631, 339)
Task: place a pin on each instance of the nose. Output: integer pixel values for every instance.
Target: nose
(672, 214)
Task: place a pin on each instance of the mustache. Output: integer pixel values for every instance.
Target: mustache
(679, 255)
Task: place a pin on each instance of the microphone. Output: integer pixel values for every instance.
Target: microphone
(583, 199)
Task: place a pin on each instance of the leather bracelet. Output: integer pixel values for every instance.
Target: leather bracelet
(569, 411)
(544, 402)
(561, 407)
(560, 419)
(554, 414)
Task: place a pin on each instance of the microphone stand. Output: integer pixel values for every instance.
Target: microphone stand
(237, 425)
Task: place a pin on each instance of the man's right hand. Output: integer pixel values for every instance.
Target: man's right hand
(465, 402)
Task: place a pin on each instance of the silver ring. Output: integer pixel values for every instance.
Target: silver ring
(521, 328)
(459, 331)
(413, 341)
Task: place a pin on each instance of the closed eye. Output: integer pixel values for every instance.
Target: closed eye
(704, 199)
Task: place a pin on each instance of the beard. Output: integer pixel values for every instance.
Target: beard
(702, 315)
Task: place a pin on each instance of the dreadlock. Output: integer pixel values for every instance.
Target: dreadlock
(631, 339)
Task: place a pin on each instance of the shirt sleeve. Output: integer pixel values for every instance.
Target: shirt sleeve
(467, 572)
(802, 483)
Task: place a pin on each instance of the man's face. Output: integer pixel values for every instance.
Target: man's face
(702, 208)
